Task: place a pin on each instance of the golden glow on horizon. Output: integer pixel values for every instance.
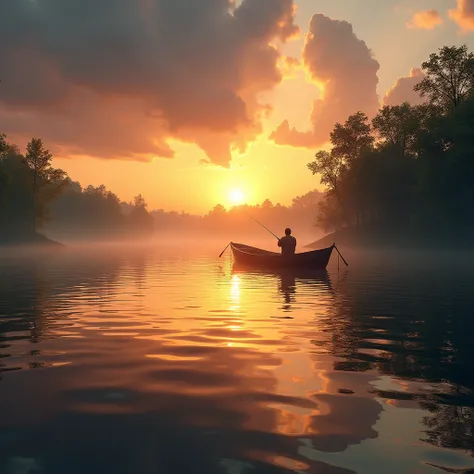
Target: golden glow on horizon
(188, 183)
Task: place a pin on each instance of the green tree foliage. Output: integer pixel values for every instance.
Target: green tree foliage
(411, 170)
(93, 212)
(16, 196)
(46, 181)
(336, 167)
(350, 139)
(3, 174)
(97, 213)
(449, 77)
(399, 126)
(3, 145)
(34, 194)
(140, 221)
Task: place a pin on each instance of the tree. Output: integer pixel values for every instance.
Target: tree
(139, 202)
(218, 211)
(47, 181)
(412, 173)
(330, 214)
(140, 221)
(3, 144)
(16, 199)
(449, 77)
(350, 139)
(332, 168)
(308, 201)
(3, 175)
(39, 160)
(449, 168)
(399, 126)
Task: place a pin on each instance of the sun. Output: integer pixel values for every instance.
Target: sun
(236, 197)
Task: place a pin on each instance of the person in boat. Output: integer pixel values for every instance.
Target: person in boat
(287, 244)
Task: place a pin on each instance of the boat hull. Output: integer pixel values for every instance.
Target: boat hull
(252, 257)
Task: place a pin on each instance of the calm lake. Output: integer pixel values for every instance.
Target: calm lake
(170, 362)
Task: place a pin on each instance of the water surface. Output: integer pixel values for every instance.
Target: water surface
(149, 361)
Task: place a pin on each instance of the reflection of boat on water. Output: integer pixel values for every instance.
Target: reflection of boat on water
(289, 278)
(252, 257)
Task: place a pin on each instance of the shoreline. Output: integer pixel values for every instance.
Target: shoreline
(366, 238)
(35, 240)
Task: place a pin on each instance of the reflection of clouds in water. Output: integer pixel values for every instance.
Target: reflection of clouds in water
(397, 448)
(203, 360)
(343, 421)
(335, 421)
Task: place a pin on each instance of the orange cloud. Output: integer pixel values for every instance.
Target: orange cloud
(117, 79)
(425, 20)
(344, 66)
(402, 90)
(289, 66)
(463, 14)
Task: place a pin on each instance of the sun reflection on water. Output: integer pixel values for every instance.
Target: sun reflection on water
(268, 370)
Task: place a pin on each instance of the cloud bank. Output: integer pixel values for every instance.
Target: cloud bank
(402, 90)
(425, 20)
(117, 78)
(463, 14)
(343, 64)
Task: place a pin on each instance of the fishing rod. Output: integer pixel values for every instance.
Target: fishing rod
(278, 238)
(268, 230)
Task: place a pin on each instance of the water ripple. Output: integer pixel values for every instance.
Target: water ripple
(142, 362)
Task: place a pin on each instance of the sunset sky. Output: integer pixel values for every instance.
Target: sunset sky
(190, 102)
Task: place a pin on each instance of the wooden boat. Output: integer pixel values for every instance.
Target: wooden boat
(252, 257)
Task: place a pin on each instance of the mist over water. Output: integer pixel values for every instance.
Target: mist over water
(160, 357)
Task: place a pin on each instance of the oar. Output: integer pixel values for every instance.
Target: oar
(341, 255)
(248, 215)
(222, 253)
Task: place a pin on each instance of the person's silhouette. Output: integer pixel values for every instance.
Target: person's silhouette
(287, 243)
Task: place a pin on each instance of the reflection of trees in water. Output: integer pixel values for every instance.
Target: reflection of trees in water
(449, 426)
(22, 290)
(334, 422)
(178, 416)
(415, 328)
(410, 338)
(417, 341)
(29, 289)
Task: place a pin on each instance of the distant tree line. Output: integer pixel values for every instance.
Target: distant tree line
(238, 221)
(408, 171)
(96, 212)
(35, 196)
(411, 169)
